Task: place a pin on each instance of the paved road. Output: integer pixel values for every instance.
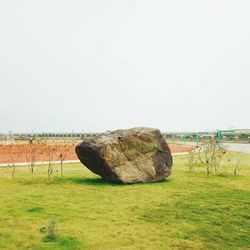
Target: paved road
(37, 163)
(238, 147)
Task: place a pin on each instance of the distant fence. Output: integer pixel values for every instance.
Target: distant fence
(237, 136)
(29, 137)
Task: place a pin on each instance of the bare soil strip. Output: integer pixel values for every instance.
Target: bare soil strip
(70, 157)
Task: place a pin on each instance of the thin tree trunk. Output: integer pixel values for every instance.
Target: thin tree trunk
(13, 171)
(61, 168)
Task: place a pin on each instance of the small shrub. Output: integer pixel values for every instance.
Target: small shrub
(49, 171)
(31, 152)
(209, 155)
(235, 162)
(236, 166)
(51, 231)
(191, 159)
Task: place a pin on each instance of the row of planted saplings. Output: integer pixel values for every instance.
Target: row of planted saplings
(210, 155)
(33, 153)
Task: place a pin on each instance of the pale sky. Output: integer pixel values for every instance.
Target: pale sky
(102, 65)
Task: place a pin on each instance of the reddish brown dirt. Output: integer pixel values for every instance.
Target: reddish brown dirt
(35, 152)
(42, 152)
(180, 148)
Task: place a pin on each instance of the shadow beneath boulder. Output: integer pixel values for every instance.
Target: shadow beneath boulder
(100, 182)
(161, 182)
(92, 181)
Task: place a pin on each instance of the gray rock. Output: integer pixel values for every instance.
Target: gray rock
(127, 156)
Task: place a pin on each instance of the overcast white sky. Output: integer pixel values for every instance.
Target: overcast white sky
(101, 65)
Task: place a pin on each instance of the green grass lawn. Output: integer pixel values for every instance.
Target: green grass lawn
(189, 210)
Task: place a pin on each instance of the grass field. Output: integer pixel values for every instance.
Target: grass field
(189, 210)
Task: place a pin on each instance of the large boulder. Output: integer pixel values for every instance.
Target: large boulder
(127, 156)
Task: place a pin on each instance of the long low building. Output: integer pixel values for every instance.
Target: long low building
(227, 135)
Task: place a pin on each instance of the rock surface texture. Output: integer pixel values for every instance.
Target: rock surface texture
(127, 156)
